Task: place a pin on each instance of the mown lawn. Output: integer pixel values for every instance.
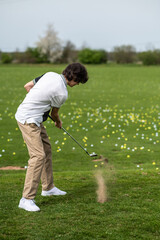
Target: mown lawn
(116, 114)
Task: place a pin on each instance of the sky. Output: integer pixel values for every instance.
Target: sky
(98, 24)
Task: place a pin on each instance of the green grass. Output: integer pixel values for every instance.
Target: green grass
(117, 115)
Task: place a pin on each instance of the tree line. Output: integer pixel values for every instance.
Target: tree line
(49, 49)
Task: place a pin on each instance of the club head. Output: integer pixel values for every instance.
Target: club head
(93, 155)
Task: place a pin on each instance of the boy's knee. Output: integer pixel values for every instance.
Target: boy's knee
(40, 156)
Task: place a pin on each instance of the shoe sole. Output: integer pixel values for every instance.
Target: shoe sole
(28, 210)
(50, 194)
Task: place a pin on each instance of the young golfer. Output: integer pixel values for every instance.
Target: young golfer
(46, 93)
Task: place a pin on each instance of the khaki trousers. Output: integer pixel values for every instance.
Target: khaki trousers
(40, 162)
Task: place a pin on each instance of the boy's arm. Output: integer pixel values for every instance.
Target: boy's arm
(30, 84)
(55, 117)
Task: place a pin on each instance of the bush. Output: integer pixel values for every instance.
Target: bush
(6, 58)
(89, 56)
(33, 55)
(150, 57)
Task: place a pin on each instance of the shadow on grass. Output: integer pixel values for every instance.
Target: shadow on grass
(77, 194)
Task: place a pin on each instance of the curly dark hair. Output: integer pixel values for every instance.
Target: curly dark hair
(76, 72)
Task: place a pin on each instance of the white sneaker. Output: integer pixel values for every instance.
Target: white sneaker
(28, 205)
(53, 191)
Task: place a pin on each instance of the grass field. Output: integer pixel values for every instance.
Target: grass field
(117, 115)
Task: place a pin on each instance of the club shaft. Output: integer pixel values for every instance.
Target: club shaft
(75, 140)
(71, 137)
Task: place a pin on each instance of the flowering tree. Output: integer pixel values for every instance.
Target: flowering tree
(50, 45)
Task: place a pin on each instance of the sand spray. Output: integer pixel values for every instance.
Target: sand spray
(101, 191)
(104, 174)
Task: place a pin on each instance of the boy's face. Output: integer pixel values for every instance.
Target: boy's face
(72, 83)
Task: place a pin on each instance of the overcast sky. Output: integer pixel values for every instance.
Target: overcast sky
(98, 24)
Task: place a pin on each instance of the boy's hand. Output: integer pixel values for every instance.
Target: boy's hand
(28, 86)
(58, 124)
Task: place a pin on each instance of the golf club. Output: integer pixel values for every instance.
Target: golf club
(91, 155)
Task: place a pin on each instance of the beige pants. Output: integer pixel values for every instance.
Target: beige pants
(40, 162)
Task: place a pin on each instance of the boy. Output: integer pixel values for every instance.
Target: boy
(45, 93)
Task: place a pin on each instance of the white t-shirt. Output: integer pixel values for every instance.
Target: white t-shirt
(49, 91)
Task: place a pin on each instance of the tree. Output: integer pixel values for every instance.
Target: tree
(124, 54)
(69, 53)
(50, 45)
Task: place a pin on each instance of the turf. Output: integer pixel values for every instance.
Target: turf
(116, 114)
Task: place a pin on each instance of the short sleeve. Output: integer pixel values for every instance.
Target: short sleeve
(58, 101)
(37, 79)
